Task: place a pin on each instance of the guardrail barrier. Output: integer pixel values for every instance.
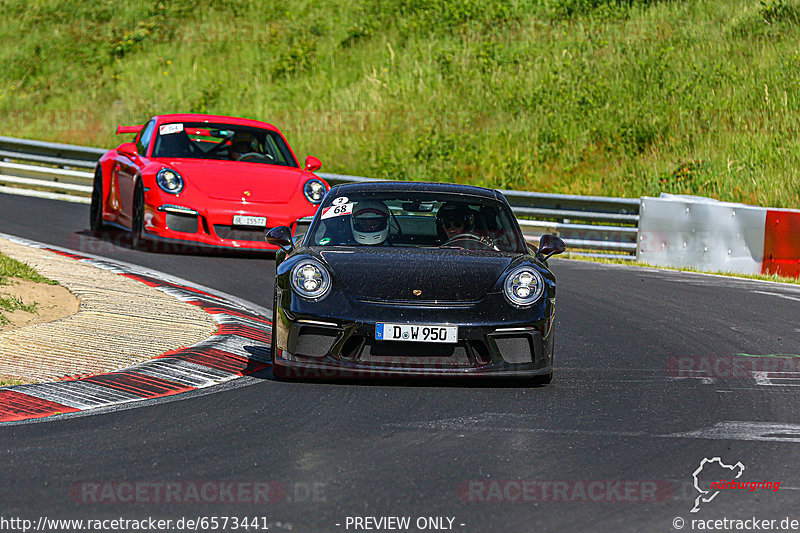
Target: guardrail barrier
(589, 225)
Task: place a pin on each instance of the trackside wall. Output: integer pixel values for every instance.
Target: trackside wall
(706, 234)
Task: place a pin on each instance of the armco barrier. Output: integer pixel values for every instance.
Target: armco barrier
(593, 224)
(63, 155)
(705, 234)
(677, 231)
(610, 224)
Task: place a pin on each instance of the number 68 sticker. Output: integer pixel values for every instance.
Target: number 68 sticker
(337, 211)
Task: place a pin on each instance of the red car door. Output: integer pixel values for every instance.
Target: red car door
(126, 170)
(125, 174)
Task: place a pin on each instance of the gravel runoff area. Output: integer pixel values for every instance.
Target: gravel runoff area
(120, 322)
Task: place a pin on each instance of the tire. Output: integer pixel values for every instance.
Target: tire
(96, 208)
(137, 220)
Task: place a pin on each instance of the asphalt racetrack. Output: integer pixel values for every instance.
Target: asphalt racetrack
(648, 383)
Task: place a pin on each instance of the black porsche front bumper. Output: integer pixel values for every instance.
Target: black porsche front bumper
(520, 343)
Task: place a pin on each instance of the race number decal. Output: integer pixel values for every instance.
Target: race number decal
(341, 200)
(337, 211)
(166, 129)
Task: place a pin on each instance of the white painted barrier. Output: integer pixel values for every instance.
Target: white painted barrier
(701, 233)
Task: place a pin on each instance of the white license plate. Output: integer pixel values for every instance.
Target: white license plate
(242, 220)
(416, 333)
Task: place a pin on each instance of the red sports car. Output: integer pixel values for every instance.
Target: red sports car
(210, 180)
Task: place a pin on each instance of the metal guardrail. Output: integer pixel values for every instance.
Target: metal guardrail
(595, 225)
(607, 226)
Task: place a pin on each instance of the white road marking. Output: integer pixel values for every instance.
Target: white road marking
(777, 379)
(779, 295)
(728, 430)
(743, 430)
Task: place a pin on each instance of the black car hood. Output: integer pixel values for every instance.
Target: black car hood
(394, 274)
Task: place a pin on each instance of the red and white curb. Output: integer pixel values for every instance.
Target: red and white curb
(240, 347)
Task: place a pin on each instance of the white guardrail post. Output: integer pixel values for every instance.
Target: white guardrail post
(589, 225)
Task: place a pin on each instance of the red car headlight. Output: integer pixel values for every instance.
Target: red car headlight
(314, 191)
(169, 181)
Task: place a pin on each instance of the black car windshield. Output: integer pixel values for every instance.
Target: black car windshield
(418, 220)
(227, 142)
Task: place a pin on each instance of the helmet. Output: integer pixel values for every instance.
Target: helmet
(242, 143)
(370, 222)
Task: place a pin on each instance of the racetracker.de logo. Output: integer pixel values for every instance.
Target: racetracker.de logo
(733, 366)
(713, 475)
(188, 492)
(580, 490)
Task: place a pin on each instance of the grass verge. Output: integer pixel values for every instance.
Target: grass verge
(606, 97)
(12, 269)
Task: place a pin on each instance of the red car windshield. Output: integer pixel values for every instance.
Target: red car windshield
(226, 142)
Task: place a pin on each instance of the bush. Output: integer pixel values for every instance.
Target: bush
(773, 11)
(297, 57)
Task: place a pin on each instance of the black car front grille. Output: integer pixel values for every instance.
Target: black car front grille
(415, 354)
(443, 304)
(315, 341)
(182, 222)
(239, 233)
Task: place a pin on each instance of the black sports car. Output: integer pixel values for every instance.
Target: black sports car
(397, 279)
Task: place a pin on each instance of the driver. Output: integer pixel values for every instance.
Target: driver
(370, 222)
(242, 143)
(454, 219)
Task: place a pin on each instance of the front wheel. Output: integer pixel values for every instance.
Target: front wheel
(137, 221)
(96, 208)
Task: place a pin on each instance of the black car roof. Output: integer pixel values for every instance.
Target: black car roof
(418, 186)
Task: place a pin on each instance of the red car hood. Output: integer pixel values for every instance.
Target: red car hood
(232, 180)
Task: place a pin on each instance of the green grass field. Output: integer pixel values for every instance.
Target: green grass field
(608, 97)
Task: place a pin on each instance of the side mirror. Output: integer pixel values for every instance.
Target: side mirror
(128, 149)
(312, 164)
(550, 245)
(281, 237)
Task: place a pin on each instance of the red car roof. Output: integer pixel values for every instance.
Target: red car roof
(194, 117)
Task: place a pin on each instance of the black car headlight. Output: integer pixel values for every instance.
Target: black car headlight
(310, 279)
(523, 286)
(314, 191)
(169, 181)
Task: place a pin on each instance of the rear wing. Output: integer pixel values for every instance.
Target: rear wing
(129, 129)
